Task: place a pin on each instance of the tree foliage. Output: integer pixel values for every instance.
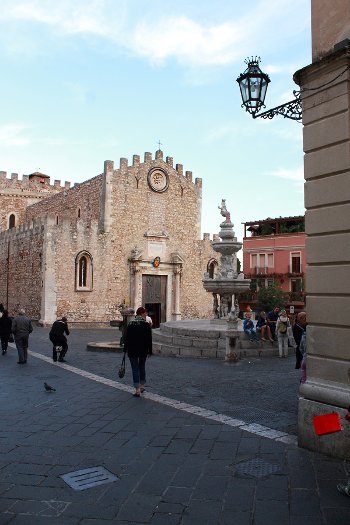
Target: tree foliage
(269, 298)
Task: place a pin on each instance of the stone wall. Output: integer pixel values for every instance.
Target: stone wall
(21, 263)
(330, 25)
(82, 201)
(16, 195)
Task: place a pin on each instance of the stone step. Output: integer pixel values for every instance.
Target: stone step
(181, 341)
(176, 351)
(211, 353)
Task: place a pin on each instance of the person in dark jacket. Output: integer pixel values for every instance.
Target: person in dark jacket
(138, 345)
(57, 338)
(5, 330)
(272, 318)
(298, 332)
(21, 328)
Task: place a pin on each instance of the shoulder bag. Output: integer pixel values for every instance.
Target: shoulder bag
(121, 371)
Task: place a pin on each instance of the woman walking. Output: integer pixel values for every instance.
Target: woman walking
(5, 330)
(138, 345)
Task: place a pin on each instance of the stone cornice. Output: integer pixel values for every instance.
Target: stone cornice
(329, 63)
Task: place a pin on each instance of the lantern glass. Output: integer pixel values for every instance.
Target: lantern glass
(253, 86)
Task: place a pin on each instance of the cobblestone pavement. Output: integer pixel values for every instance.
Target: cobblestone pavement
(174, 466)
(262, 390)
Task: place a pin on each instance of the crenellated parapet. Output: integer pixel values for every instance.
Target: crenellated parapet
(149, 162)
(208, 238)
(38, 182)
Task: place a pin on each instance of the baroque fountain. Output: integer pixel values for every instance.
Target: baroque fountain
(227, 283)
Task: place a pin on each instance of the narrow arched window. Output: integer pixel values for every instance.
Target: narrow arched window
(12, 220)
(78, 213)
(83, 272)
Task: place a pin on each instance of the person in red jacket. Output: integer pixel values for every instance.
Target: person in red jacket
(138, 345)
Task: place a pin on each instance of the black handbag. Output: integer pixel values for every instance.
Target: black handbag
(121, 371)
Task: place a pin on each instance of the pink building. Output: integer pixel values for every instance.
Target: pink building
(274, 252)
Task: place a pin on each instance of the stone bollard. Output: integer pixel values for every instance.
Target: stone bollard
(128, 314)
(232, 339)
(232, 345)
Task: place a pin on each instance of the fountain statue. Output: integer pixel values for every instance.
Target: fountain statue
(227, 283)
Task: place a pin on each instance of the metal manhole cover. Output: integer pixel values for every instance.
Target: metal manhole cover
(256, 468)
(88, 478)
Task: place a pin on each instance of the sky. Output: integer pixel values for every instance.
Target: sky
(83, 81)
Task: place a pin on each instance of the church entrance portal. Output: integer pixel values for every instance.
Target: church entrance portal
(154, 297)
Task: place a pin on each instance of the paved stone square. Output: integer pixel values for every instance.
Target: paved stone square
(210, 443)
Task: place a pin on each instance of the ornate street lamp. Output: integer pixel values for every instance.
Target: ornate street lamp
(253, 85)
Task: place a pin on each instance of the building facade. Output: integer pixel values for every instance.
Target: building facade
(130, 236)
(274, 253)
(325, 92)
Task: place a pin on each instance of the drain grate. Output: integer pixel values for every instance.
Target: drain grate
(88, 478)
(256, 468)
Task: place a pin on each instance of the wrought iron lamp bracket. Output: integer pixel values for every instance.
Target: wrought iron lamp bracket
(291, 110)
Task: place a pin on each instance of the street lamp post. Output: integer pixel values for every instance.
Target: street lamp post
(253, 85)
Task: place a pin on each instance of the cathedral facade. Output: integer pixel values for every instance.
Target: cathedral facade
(129, 236)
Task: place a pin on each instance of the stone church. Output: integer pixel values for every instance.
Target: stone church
(130, 236)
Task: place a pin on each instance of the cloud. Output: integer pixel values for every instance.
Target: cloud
(73, 16)
(11, 135)
(172, 34)
(195, 44)
(187, 41)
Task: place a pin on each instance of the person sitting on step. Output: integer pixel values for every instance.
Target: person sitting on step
(263, 327)
(248, 327)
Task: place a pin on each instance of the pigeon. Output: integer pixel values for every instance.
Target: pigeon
(49, 388)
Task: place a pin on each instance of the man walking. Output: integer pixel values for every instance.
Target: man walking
(57, 338)
(21, 328)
